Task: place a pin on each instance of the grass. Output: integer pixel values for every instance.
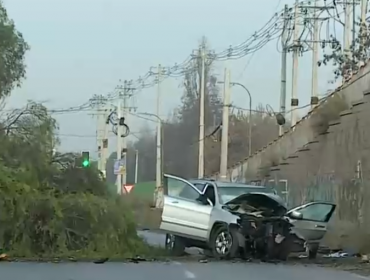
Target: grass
(140, 200)
(146, 216)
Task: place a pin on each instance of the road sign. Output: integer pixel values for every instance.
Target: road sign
(120, 167)
(128, 188)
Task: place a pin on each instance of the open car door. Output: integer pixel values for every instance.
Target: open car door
(183, 214)
(311, 226)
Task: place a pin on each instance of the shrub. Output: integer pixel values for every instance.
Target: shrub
(327, 112)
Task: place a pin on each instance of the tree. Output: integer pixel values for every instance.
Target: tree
(348, 62)
(48, 204)
(13, 48)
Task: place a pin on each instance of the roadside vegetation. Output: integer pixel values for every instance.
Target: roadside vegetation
(49, 205)
(328, 112)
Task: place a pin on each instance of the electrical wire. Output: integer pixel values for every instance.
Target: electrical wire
(270, 31)
(275, 112)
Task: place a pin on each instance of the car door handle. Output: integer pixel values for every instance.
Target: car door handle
(319, 226)
(174, 202)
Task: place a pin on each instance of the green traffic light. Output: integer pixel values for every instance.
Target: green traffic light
(85, 163)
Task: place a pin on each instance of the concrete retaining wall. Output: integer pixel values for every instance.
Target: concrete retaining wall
(300, 134)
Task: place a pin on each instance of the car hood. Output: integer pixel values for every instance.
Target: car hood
(257, 200)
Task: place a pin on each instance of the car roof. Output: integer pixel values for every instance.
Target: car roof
(224, 184)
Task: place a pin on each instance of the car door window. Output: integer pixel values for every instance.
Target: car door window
(318, 212)
(181, 189)
(210, 193)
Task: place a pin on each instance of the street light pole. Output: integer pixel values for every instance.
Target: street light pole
(250, 114)
(158, 193)
(136, 165)
(225, 126)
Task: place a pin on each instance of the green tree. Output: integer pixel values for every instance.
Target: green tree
(13, 48)
(50, 206)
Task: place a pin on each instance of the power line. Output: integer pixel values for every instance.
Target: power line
(268, 32)
(94, 135)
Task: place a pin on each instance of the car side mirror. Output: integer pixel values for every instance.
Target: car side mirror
(296, 215)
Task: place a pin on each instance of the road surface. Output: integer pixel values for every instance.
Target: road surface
(173, 270)
(169, 271)
(153, 238)
(159, 239)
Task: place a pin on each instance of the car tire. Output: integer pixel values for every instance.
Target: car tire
(224, 238)
(312, 252)
(175, 245)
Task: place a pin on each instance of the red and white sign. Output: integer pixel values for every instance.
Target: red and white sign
(128, 188)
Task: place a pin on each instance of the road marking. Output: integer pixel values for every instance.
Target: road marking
(189, 274)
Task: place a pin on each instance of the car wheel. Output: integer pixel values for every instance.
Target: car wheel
(312, 251)
(224, 243)
(175, 245)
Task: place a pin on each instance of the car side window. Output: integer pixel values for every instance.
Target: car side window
(210, 193)
(317, 212)
(180, 189)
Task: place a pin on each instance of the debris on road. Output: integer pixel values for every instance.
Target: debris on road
(3, 257)
(101, 261)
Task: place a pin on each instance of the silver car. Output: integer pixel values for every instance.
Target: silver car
(194, 215)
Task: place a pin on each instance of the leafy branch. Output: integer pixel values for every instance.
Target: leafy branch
(348, 62)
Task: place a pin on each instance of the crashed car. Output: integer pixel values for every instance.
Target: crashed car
(232, 220)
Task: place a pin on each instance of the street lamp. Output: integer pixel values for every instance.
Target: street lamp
(158, 193)
(250, 114)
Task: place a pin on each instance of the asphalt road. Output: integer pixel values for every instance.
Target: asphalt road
(169, 271)
(187, 269)
(153, 238)
(159, 239)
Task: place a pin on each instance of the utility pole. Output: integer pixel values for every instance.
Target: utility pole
(296, 48)
(363, 28)
(126, 108)
(347, 28)
(315, 58)
(99, 135)
(283, 67)
(314, 44)
(225, 126)
(202, 53)
(354, 22)
(363, 13)
(136, 165)
(158, 193)
(105, 148)
(119, 136)
(100, 102)
(159, 187)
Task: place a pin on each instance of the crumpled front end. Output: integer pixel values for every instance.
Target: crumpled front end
(262, 223)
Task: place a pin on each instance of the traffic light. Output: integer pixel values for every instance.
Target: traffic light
(85, 159)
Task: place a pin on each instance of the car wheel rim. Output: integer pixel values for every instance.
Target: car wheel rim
(170, 241)
(223, 243)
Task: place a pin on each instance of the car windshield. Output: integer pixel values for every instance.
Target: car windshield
(228, 193)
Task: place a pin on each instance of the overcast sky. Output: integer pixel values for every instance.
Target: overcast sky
(84, 47)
